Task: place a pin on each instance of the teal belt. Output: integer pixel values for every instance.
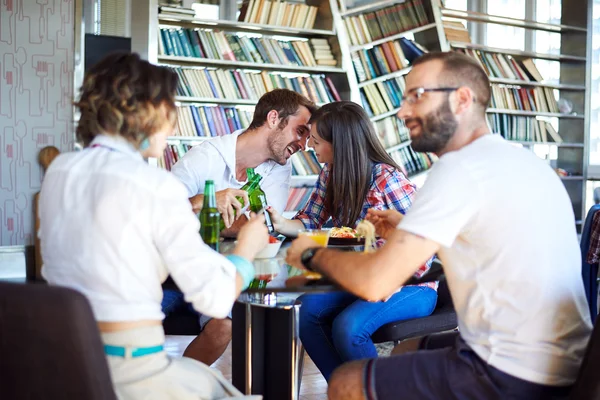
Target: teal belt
(133, 351)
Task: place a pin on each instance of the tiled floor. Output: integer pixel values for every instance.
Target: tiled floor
(313, 387)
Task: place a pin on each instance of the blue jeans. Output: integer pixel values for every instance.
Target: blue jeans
(337, 327)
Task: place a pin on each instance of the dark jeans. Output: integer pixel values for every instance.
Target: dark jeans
(447, 369)
(337, 327)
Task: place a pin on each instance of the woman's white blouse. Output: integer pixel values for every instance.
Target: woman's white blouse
(113, 228)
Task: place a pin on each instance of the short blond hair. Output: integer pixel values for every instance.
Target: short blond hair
(47, 155)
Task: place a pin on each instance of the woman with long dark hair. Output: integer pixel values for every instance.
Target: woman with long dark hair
(358, 175)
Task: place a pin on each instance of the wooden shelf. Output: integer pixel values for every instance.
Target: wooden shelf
(184, 99)
(188, 138)
(571, 178)
(518, 82)
(385, 115)
(188, 21)
(563, 144)
(518, 53)
(382, 78)
(500, 20)
(370, 7)
(177, 60)
(398, 146)
(532, 113)
(392, 37)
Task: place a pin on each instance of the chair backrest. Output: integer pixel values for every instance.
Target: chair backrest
(444, 298)
(50, 347)
(587, 385)
(589, 271)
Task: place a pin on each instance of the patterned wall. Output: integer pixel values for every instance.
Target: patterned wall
(36, 90)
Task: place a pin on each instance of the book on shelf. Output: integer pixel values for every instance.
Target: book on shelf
(392, 131)
(172, 154)
(215, 83)
(381, 97)
(498, 65)
(388, 21)
(412, 162)
(455, 31)
(242, 47)
(411, 49)
(278, 13)
(297, 198)
(379, 60)
(539, 99)
(305, 163)
(170, 9)
(208, 121)
(524, 129)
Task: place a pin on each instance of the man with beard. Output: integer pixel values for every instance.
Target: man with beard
(508, 246)
(280, 128)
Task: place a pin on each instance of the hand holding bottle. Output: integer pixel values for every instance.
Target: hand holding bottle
(277, 219)
(252, 238)
(229, 206)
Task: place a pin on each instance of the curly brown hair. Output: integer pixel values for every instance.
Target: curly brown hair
(126, 96)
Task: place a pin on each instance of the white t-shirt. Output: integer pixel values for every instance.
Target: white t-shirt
(511, 258)
(215, 159)
(113, 228)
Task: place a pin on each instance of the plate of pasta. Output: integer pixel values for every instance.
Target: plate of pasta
(363, 235)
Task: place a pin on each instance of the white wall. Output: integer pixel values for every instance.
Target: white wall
(36, 92)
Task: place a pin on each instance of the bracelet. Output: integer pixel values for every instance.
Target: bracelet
(244, 267)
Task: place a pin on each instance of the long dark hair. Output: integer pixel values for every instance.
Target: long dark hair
(356, 148)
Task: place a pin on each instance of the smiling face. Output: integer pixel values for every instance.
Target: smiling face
(429, 117)
(283, 142)
(323, 149)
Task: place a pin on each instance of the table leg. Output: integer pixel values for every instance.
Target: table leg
(266, 351)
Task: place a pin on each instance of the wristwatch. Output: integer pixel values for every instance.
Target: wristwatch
(307, 256)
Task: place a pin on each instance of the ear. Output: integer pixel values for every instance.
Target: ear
(272, 119)
(464, 98)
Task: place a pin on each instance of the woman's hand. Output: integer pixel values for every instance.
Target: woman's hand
(252, 238)
(385, 221)
(294, 252)
(277, 219)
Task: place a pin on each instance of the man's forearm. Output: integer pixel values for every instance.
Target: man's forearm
(376, 276)
(197, 202)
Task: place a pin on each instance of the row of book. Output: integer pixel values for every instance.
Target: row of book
(371, 26)
(524, 129)
(297, 198)
(498, 65)
(528, 99)
(381, 97)
(278, 13)
(241, 84)
(208, 121)
(392, 131)
(173, 152)
(305, 163)
(380, 60)
(411, 161)
(245, 47)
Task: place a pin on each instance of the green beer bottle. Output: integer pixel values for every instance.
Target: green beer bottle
(258, 201)
(253, 180)
(210, 217)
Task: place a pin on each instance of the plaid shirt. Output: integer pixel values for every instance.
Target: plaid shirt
(390, 189)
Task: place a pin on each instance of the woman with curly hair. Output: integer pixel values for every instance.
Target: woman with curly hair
(114, 228)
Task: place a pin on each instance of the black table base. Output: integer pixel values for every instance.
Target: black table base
(266, 350)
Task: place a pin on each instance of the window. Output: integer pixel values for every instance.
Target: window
(456, 4)
(547, 42)
(507, 37)
(595, 90)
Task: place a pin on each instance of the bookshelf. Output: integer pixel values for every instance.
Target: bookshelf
(374, 33)
(548, 124)
(225, 65)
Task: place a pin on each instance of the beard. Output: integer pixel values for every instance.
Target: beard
(277, 147)
(436, 130)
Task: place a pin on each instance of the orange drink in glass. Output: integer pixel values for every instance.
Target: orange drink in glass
(320, 236)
